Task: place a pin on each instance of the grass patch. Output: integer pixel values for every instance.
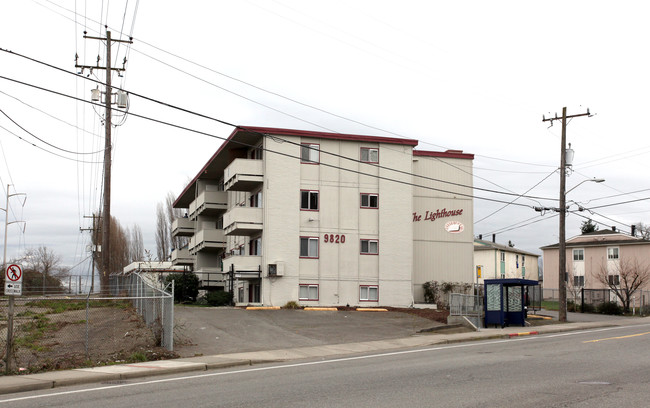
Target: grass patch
(33, 332)
(550, 304)
(56, 306)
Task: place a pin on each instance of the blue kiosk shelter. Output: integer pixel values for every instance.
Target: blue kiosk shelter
(505, 300)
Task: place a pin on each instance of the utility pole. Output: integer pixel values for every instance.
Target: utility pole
(106, 214)
(562, 312)
(93, 248)
(10, 306)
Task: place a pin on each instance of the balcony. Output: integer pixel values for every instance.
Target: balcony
(182, 257)
(245, 266)
(210, 277)
(243, 221)
(243, 175)
(207, 240)
(210, 203)
(182, 227)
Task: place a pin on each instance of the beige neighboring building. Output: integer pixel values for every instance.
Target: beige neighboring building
(327, 219)
(504, 262)
(588, 254)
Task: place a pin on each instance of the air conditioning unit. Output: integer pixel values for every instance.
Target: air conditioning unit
(276, 269)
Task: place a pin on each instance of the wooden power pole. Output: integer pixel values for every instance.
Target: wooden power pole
(106, 213)
(562, 313)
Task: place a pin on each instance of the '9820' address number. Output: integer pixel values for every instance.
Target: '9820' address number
(335, 238)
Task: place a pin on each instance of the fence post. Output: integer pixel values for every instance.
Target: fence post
(87, 326)
(582, 300)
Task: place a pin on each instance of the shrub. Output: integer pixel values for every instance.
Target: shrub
(588, 308)
(571, 306)
(611, 308)
(186, 286)
(431, 291)
(218, 298)
(292, 304)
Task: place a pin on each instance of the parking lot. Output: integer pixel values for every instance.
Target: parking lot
(212, 330)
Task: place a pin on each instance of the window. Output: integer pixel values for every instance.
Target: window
(369, 155)
(308, 247)
(517, 261)
(369, 246)
(255, 200)
(309, 200)
(256, 153)
(255, 247)
(612, 253)
(369, 201)
(308, 292)
(523, 261)
(502, 256)
(578, 281)
(368, 293)
(578, 254)
(613, 279)
(309, 153)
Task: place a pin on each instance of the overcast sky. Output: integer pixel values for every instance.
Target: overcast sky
(470, 75)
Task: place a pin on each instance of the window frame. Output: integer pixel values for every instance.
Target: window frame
(308, 238)
(579, 281)
(581, 254)
(369, 150)
(309, 192)
(369, 196)
(614, 280)
(308, 286)
(614, 251)
(310, 148)
(368, 287)
(369, 241)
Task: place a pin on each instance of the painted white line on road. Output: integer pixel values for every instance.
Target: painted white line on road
(310, 363)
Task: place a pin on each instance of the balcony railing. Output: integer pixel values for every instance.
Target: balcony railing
(245, 266)
(246, 221)
(243, 175)
(207, 240)
(182, 227)
(211, 203)
(182, 257)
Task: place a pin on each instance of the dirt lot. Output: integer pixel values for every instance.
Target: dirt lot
(57, 341)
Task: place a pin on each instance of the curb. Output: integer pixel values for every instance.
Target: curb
(523, 334)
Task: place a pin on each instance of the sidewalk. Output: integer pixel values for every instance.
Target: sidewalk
(20, 383)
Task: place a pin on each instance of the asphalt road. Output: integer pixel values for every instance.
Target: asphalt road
(208, 331)
(596, 368)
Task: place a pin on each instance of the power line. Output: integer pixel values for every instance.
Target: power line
(236, 126)
(268, 150)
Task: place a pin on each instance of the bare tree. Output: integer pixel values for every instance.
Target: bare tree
(163, 241)
(47, 264)
(624, 278)
(136, 244)
(119, 252)
(643, 230)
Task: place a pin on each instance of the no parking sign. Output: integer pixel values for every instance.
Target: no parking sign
(14, 280)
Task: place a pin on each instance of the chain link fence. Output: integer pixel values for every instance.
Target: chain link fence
(134, 323)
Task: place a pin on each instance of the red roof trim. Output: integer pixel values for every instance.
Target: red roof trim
(451, 154)
(335, 136)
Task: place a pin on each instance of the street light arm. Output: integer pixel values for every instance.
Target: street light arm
(595, 180)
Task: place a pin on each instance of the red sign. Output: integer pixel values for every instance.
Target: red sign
(14, 273)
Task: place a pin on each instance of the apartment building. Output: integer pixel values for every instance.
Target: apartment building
(592, 256)
(327, 219)
(497, 261)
